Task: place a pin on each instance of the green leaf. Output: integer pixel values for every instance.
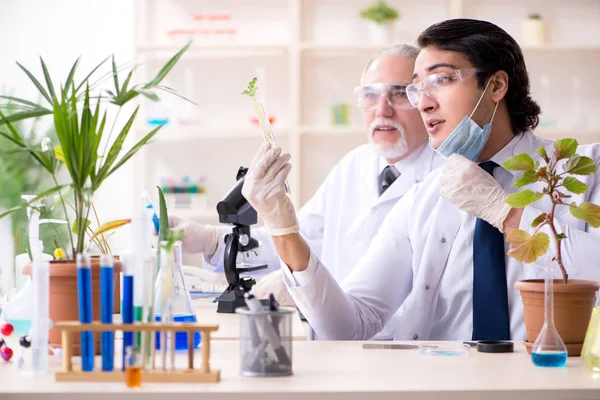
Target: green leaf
(85, 80)
(542, 153)
(69, 80)
(528, 178)
(523, 198)
(525, 248)
(251, 91)
(588, 212)
(48, 79)
(564, 148)
(520, 162)
(538, 220)
(115, 75)
(134, 150)
(164, 230)
(574, 185)
(580, 165)
(75, 226)
(37, 84)
(167, 67)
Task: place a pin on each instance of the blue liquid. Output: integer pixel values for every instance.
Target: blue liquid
(127, 312)
(84, 295)
(180, 337)
(549, 359)
(107, 306)
(22, 326)
(158, 121)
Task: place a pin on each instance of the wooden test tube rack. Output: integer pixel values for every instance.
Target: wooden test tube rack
(191, 375)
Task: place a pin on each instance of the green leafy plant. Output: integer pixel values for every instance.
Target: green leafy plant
(79, 113)
(380, 13)
(557, 186)
(262, 121)
(18, 176)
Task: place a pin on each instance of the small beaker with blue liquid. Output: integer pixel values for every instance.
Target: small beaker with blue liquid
(172, 296)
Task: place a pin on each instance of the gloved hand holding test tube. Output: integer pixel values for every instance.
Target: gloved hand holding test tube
(263, 117)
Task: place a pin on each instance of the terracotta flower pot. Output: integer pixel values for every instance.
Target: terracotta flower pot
(573, 304)
(63, 296)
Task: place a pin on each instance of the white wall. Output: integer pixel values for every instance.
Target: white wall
(60, 31)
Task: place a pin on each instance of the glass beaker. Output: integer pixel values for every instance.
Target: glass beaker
(170, 290)
(590, 352)
(549, 350)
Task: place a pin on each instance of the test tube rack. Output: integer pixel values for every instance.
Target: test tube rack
(189, 375)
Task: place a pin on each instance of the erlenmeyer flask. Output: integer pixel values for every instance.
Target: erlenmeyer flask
(591, 346)
(171, 295)
(549, 350)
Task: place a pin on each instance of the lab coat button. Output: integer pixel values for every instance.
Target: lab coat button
(426, 287)
(443, 240)
(416, 337)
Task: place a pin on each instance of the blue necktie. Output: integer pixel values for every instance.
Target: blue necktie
(490, 297)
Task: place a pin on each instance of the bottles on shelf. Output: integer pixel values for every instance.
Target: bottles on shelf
(185, 192)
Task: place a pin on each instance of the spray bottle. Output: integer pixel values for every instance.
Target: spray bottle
(19, 310)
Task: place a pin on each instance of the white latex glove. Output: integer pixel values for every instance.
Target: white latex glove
(197, 238)
(264, 188)
(273, 283)
(471, 189)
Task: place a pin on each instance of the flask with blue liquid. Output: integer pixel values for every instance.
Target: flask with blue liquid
(549, 350)
(170, 290)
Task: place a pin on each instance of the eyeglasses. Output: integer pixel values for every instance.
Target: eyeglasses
(368, 96)
(432, 85)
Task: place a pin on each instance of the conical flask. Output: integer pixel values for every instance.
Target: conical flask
(172, 301)
(549, 350)
(591, 346)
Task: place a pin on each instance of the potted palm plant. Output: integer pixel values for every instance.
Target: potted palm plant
(381, 18)
(79, 111)
(554, 178)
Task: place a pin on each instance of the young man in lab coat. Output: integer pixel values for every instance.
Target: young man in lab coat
(348, 208)
(439, 259)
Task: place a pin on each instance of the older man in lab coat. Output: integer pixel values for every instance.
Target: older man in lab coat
(345, 213)
(440, 255)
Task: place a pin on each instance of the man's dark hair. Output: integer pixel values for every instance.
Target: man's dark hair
(490, 49)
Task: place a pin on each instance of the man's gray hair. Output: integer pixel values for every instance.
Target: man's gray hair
(402, 50)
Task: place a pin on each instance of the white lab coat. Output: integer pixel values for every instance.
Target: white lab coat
(340, 220)
(404, 268)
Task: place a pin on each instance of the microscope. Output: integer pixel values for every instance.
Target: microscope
(234, 209)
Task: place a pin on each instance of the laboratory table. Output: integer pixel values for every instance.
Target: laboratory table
(339, 370)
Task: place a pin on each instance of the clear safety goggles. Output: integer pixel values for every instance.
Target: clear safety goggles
(434, 84)
(368, 96)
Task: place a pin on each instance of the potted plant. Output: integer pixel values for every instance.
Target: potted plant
(380, 17)
(573, 299)
(79, 112)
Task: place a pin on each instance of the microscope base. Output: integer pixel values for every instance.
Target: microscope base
(229, 301)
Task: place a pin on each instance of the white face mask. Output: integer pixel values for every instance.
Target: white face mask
(468, 139)
(389, 151)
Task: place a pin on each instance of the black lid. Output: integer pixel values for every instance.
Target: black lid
(495, 346)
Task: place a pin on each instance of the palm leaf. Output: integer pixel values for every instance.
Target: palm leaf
(48, 79)
(34, 200)
(110, 226)
(167, 67)
(37, 84)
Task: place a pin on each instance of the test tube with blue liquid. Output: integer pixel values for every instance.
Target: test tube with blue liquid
(127, 303)
(107, 306)
(84, 295)
(148, 204)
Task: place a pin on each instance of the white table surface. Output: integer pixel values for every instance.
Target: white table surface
(340, 370)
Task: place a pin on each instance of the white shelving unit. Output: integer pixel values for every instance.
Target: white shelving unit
(312, 52)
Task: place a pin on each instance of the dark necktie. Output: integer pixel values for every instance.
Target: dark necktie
(490, 297)
(388, 176)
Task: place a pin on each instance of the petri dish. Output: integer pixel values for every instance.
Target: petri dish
(449, 349)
